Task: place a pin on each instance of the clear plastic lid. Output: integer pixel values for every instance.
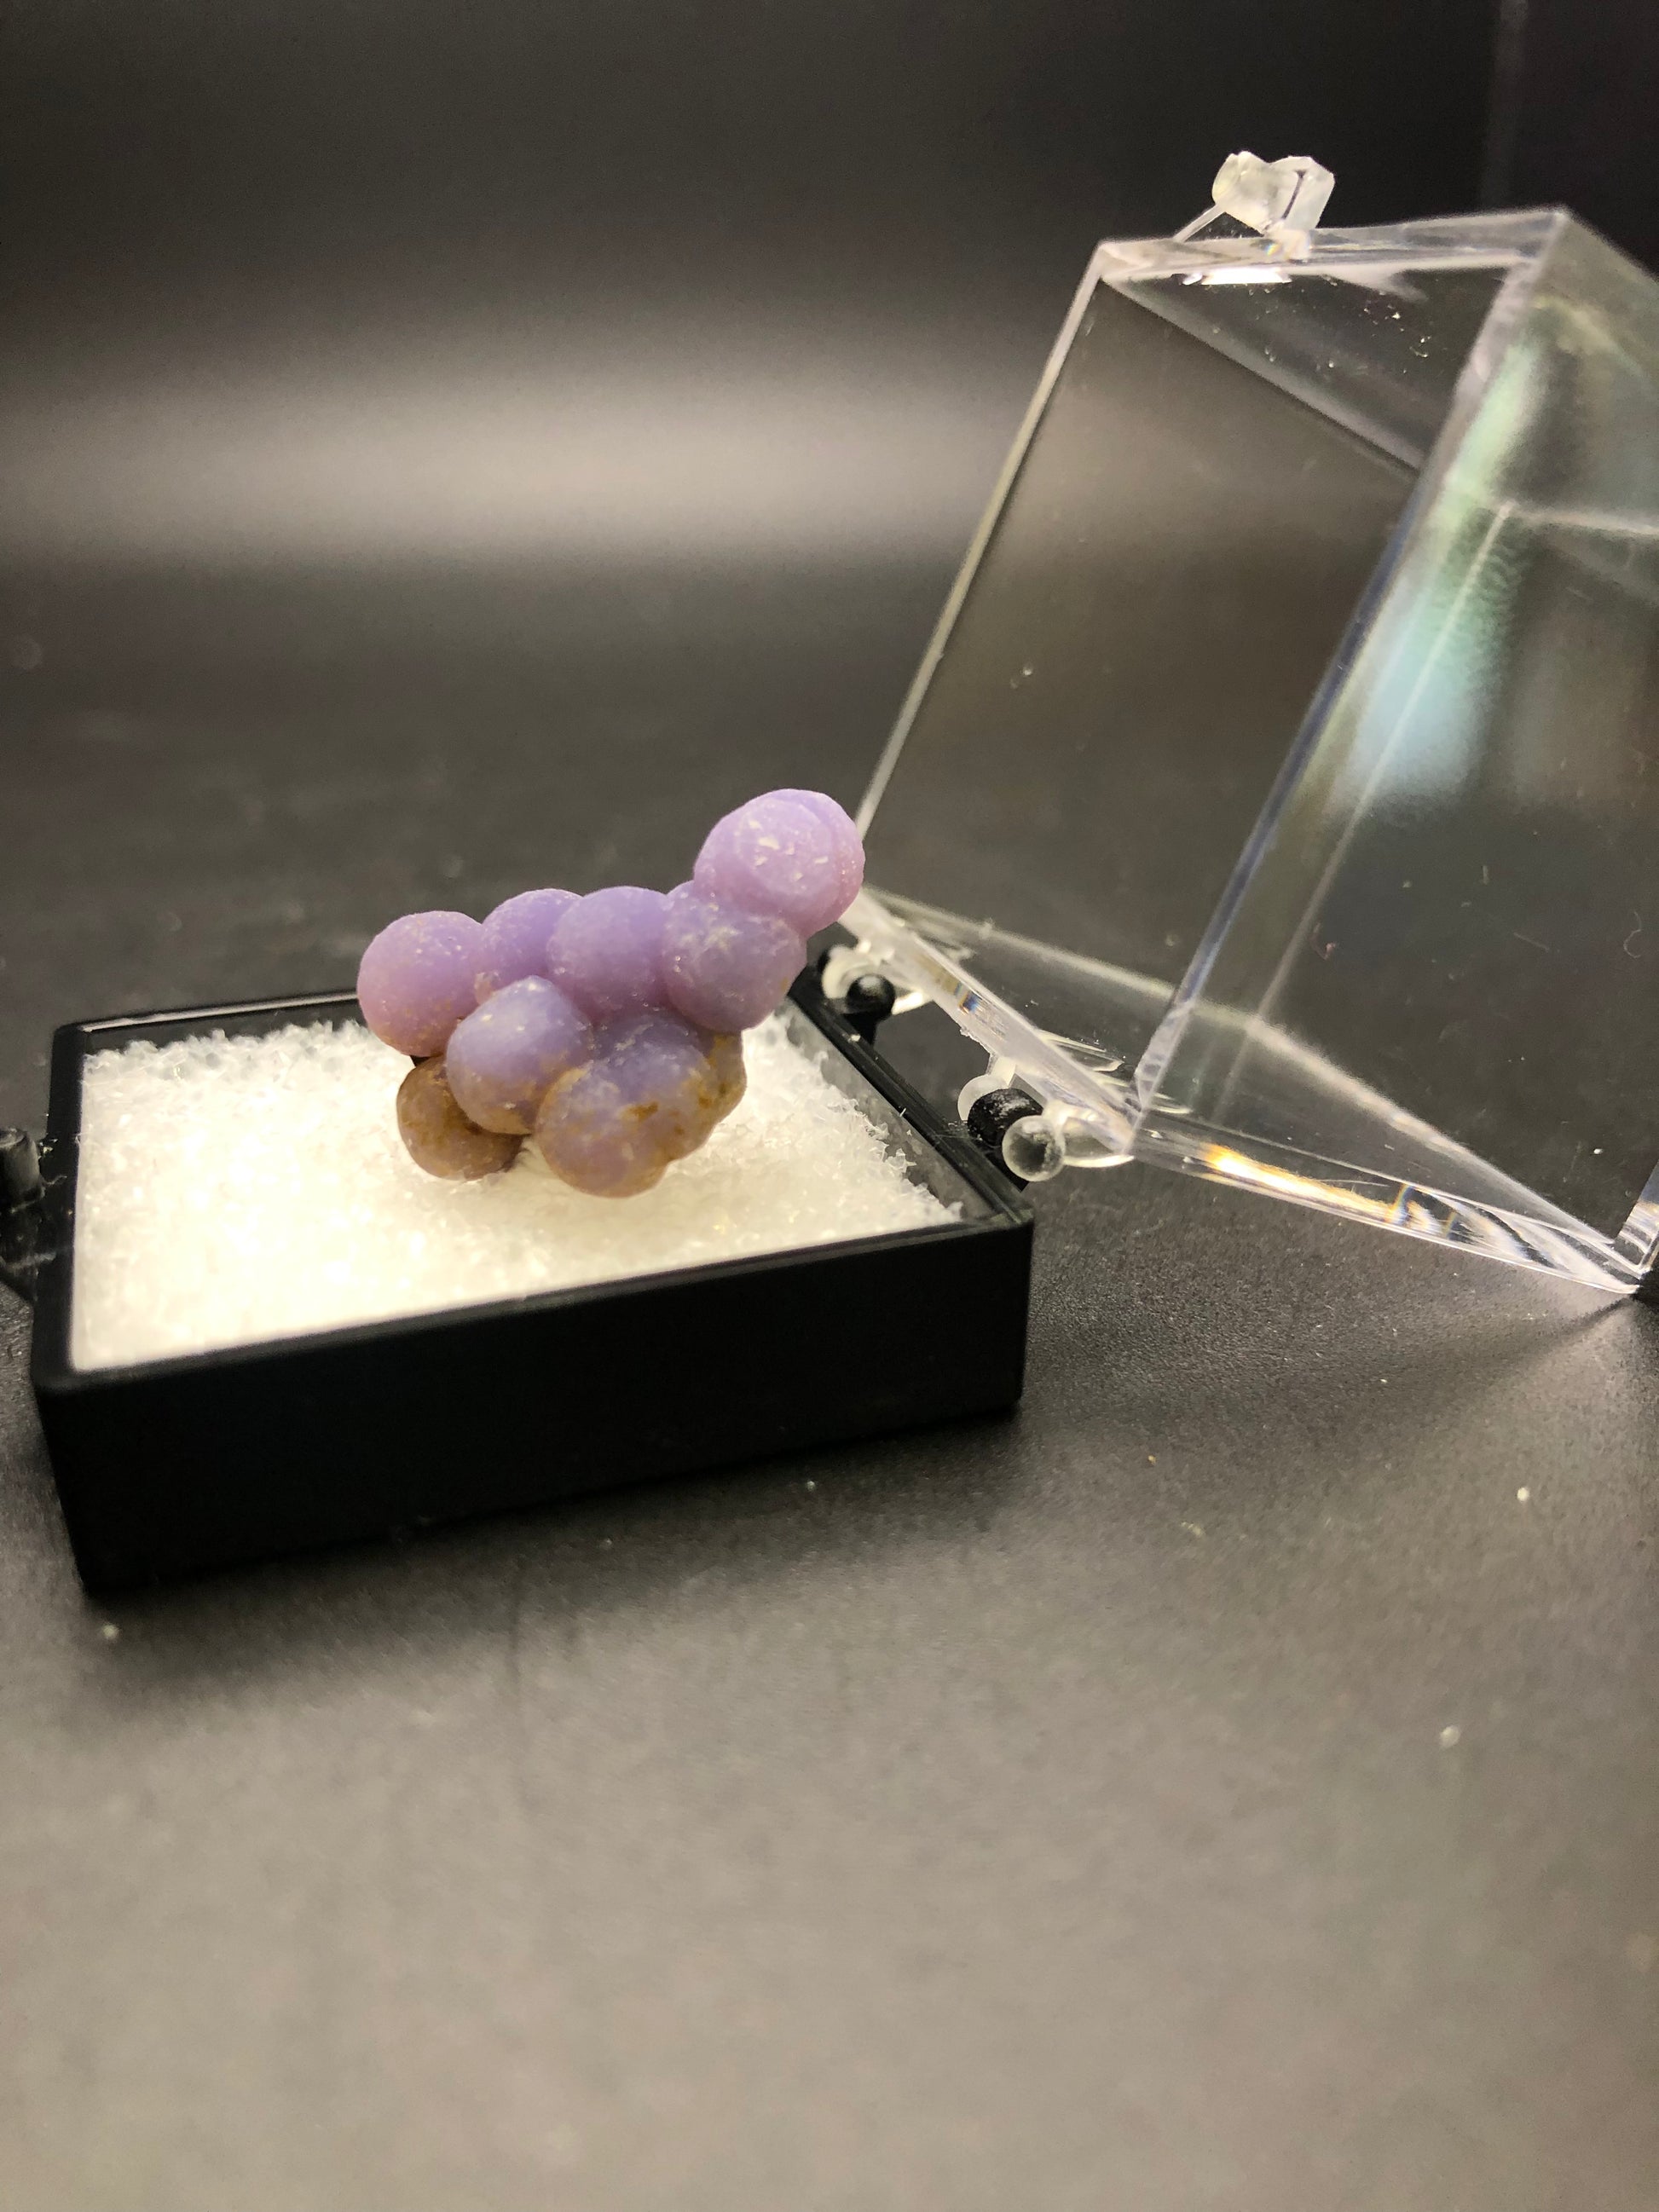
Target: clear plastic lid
(1278, 799)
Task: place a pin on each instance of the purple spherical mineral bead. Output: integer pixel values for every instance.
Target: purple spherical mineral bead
(654, 1091)
(606, 953)
(515, 937)
(848, 845)
(506, 1052)
(795, 854)
(416, 979)
(723, 966)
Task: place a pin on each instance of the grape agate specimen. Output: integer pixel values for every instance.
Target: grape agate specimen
(437, 1135)
(515, 937)
(503, 1056)
(416, 979)
(606, 1027)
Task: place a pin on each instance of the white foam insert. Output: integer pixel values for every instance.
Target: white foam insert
(234, 1189)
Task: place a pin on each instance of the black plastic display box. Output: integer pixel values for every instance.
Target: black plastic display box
(202, 1460)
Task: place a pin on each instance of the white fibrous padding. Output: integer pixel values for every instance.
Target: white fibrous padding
(233, 1190)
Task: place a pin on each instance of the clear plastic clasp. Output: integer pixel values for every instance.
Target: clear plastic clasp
(1283, 199)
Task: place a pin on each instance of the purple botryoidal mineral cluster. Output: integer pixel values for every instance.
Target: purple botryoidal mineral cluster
(605, 1029)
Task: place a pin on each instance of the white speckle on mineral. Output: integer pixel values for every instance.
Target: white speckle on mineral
(238, 1189)
(1450, 1737)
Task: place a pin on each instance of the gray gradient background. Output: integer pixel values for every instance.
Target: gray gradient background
(451, 448)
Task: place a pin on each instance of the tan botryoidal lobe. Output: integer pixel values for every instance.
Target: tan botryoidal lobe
(438, 1135)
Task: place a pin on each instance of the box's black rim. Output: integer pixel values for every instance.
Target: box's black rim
(51, 1367)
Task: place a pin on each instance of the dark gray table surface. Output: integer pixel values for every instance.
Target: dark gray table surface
(1057, 1813)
